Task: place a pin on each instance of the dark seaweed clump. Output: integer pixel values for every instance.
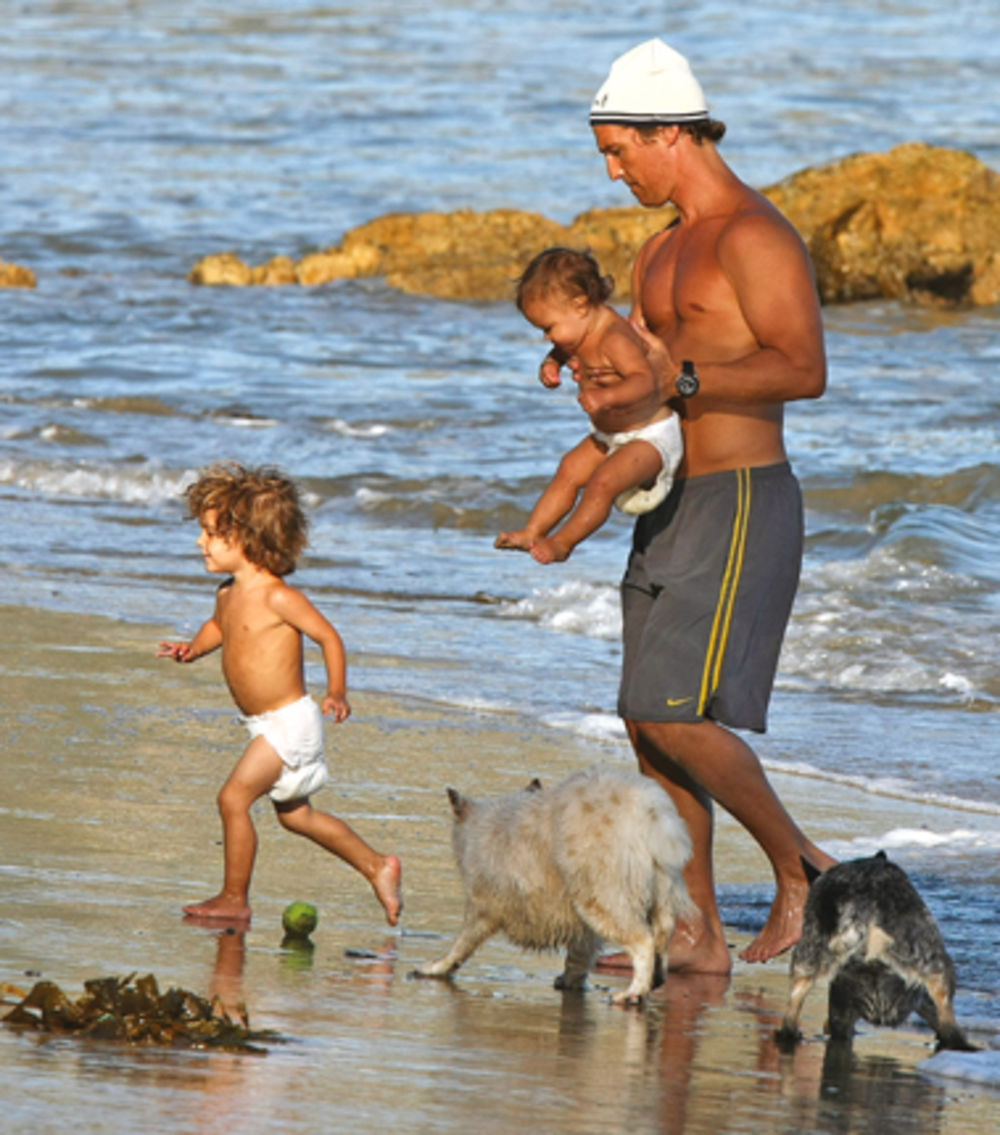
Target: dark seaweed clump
(134, 1012)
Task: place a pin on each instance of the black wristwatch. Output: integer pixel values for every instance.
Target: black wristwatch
(686, 382)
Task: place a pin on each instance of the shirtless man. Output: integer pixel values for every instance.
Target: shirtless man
(727, 301)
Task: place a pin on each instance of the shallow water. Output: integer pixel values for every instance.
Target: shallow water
(118, 831)
(138, 137)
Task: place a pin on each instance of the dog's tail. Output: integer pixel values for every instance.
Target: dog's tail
(669, 845)
(812, 872)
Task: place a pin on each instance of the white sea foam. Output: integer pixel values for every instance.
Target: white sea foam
(574, 607)
(901, 840)
(345, 429)
(973, 1067)
(832, 640)
(595, 726)
(370, 498)
(893, 787)
(881, 624)
(480, 705)
(139, 484)
(248, 421)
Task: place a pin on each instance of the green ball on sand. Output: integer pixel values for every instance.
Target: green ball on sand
(299, 919)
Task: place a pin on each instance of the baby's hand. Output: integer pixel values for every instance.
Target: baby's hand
(178, 651)
(337, 705)
(548, 372)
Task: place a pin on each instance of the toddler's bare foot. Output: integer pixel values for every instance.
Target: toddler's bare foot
(520, 541)
(549, 550)
(388, 887)
(220, 907)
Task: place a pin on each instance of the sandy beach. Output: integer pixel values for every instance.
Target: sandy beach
(108, 826)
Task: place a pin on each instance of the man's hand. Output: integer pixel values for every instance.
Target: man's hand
(664, 368)
(590, 400)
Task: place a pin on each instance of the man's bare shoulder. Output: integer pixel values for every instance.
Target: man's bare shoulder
(758, 220)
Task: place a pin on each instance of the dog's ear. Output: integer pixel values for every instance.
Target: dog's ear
(812, 872)
(535, 785)
(459, 804)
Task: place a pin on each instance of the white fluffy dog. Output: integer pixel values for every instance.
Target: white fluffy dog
(597, 856)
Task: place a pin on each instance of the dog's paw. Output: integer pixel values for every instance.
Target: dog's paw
(570, 984)
(787, 1038)
(428, 971)
(954, 1040)
(628, 999)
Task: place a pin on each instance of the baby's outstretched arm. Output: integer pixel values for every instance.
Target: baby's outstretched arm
(208, 638)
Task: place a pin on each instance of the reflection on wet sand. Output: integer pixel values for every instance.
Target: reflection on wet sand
(230, 955)
(495, 1050)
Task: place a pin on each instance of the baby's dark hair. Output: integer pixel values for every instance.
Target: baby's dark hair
(570, 272)
(258, 509)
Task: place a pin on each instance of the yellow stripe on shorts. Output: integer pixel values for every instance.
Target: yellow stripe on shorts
(727, 593)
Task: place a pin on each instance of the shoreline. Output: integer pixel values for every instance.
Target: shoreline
(116, 758)
(48, 653)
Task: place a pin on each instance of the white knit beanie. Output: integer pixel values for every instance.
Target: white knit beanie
(650, 84)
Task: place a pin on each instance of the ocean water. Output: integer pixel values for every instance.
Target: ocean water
(137, 137)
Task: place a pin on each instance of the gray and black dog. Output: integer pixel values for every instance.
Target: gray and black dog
(866, 926)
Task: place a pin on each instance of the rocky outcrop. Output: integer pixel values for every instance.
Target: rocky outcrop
(14, 276)
(919, 222)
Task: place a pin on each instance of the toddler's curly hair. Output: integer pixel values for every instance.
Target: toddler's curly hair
(257, 508)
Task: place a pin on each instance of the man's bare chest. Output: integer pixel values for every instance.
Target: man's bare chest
(684, 284)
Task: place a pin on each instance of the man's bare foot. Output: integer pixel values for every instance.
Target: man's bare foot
(549, 550)
(618, 962)
(699, 947)
(519, 541)
(783, 927)
(220, 907)
(688, 953)
(388, 887)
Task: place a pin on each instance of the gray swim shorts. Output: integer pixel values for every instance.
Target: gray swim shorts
(707, 595)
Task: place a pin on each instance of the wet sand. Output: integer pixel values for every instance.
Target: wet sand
(107, 826)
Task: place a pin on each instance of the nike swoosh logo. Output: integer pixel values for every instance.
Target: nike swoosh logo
(672, 702)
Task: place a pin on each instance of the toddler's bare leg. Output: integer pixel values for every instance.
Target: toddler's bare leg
(255, 772)
(383, 872)
(634, 464)
(559, 496)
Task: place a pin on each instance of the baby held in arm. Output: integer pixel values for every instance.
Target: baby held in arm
(631, 455)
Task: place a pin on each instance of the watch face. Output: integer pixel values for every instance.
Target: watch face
(687, 384)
